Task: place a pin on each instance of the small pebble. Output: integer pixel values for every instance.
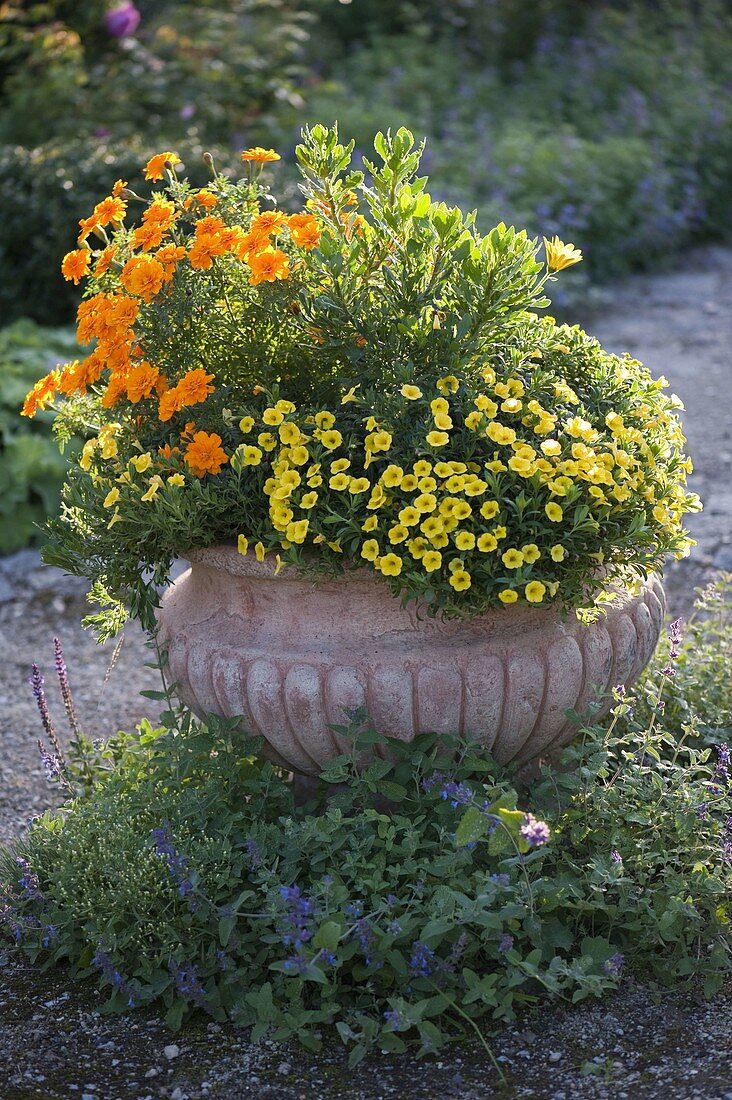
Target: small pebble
(171, 1051)
(555, 1056)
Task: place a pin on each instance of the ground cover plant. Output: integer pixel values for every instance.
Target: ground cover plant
(32, 470)
(183, 875)
(363, 382)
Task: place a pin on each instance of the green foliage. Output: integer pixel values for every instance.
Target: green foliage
(412, 900)
(610, 127)
(31, 469)
(192, 67)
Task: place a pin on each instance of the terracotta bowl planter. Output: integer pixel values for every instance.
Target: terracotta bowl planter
(289, 654)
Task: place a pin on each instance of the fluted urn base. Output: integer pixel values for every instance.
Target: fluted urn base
(291, 655)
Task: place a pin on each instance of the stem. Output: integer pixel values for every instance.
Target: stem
(476, 1029)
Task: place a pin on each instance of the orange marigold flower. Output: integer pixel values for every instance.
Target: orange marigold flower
(116, 388)
(42, 394)
(155, 167)
(141, 381)
(268, 265)
(206, 199)
(271, 221)
(205, 455)
(86, 225)
(119, 187)
(77, 376)
(156, 221)
(258, 155)
(304, 230)
(168, 405)
(75, 265)
(194, 387)
(109, 210)
(105, 261)
(142, 276)
(169, 256)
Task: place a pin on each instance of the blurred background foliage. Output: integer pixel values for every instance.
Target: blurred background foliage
(608, 122)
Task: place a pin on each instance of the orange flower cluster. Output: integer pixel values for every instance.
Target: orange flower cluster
(193, 388)
(143, 262)
(156, 221)
(42, 394)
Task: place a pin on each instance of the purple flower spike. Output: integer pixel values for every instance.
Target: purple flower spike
(36, 682)
(122, 21)
(63, 678)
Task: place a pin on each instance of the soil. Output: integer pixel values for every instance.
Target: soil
(640, 1043)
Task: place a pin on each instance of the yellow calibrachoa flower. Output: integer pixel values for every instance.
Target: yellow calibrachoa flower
(309, 500)
(378, 441)
(242, 544)
(142, 462)
(398, 533)
(273, 417)
(392, 476)
(412, 393)
(560, 255)
(554, 512)
(259, 551)
(531, 553)
(266, 441)
(437, 439)
(370, 550)
(460, 580)
(339, 465)
(370, 524)
(425, 502)
(290, 434)
(112, 497)
(155, 484)
(500, 433)
(331, 439)
(508, 595)
(339, 481)
(489, 509)
(297, 531)
(558, 553)
(465, 540)
(535, 591)
(409, 516)
(390, 565)
(487, 543)
(358, 485)
(176, 480)
(431, 560)
(324, 420)
(512, 559)
(246, 424)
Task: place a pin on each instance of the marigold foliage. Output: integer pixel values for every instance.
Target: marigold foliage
(363, 381)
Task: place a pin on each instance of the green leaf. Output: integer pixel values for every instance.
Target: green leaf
(327, 936)
(473, 825)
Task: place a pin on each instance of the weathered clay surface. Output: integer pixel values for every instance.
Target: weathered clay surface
(291, 655)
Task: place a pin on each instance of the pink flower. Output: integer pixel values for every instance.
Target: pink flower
(122, 21)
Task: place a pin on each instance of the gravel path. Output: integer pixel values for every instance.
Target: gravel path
(53, 1044)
